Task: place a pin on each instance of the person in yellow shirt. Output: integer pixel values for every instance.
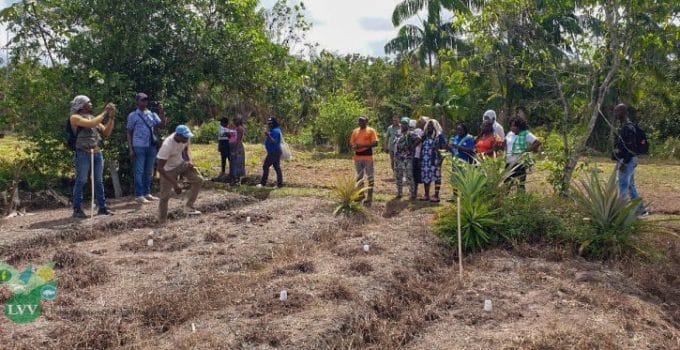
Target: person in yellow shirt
(362, 142)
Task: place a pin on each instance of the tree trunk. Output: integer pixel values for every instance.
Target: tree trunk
(611, 19)
(595, 107)
(565, 127)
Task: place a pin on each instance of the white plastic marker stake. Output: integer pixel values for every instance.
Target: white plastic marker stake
(149, 243)
(248, 219)
(488, 306)
(460, 243)
(193, 328)
(283, 296)
(366, 248)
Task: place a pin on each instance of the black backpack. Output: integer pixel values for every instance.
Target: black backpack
(641, 145)
(71, 136)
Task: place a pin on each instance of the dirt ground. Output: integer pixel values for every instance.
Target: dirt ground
(213, 281)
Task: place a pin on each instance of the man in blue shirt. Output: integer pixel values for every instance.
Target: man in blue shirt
(143, 145)
(272, 143)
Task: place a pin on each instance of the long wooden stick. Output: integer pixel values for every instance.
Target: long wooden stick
(460, 241)
(92, 199)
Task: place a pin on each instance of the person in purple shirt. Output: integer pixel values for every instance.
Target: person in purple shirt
(143, 144)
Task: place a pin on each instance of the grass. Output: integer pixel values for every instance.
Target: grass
(311, 172)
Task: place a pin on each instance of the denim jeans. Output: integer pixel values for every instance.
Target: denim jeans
(626, 177)
(145, 157)
(275, 160)
(82, 172)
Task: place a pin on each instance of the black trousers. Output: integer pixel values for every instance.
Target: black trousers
(275, 160)
(519, 175)
(223, 148)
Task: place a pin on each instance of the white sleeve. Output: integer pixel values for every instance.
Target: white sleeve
(531, 138)
(499, 130)
(164, 152)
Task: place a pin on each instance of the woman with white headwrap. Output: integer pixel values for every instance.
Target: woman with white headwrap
(490, 116)
(431, 160)
(89, 131)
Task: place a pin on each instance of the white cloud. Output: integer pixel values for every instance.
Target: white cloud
(351, 26)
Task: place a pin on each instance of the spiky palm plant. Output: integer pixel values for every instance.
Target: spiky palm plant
(612, 218)
(348, 195)
(478, 215)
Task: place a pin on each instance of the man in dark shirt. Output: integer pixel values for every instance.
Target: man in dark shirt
(626, 159)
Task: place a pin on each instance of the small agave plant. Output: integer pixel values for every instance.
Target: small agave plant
(348, 195)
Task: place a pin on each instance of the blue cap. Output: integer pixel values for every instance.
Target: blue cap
(183, 130)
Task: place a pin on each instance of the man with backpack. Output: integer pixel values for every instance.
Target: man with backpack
(143, 144)
(85, 133)
(630, 142)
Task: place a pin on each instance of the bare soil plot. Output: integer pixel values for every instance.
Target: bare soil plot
(220, 275)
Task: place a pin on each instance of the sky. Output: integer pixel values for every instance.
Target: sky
(340, 26)
(350, 26)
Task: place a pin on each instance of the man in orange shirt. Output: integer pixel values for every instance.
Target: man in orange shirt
(362, 141)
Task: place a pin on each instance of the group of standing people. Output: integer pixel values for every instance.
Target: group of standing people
(415, 148)
(170, 156)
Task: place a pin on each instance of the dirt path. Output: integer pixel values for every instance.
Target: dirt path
(220, 275)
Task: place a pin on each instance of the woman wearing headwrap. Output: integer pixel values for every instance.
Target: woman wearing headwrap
(490, 116)
(431, 160)
(89, 131)
(237, 153)
(417, 172)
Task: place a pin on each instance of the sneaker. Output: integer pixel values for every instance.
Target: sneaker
(141, 200)
(279, 186)
(79, 214)
(104, 211)
(259, 186)
(151, 198)
(191, 211)
(644, 215)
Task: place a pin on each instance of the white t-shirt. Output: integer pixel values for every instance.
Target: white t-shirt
(419, 132)
(510, 140)
(498, 130)
(171, 151)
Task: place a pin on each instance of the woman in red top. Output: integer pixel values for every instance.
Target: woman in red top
(487, 143)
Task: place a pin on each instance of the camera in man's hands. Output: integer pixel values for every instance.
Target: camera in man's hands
(154, 106)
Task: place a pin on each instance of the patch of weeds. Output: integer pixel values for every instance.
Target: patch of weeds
(338, 291)
(80, 271)
(213, 237)
(362, 267)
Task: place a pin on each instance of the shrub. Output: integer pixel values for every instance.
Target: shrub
(478, 212)
(338, 117)
(613, 219)
(206, 133)
(477, 219)
(527, 217)
(348, 194)
(667, 149)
